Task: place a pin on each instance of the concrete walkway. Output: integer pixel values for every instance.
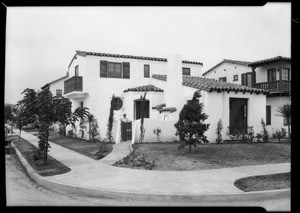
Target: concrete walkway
(98, 178)
(120, 150)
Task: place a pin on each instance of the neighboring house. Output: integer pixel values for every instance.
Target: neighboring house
(273, 74)
(57, 86)
(169, 83)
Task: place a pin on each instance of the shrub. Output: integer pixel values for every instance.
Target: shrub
(70, 133)
(265, 134)
(279, 134)
(218, 131)
(157, 132)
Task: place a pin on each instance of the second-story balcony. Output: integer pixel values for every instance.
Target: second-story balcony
(275, 86)
(73, 88)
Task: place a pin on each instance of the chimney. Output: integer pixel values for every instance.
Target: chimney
(173, 89)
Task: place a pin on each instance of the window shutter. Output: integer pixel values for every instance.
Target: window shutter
(244, 78)
(268, 118)
(126, 70)
(103, 69)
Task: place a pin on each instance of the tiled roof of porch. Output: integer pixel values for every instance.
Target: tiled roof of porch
(148, 88)
(210, 85)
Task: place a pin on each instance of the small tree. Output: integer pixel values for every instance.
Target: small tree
(190, 126)
(19, 117)
(93, 127)
(157, 132)
(285, 112)
(110, 120)
(79, 113)
(219, 131)
(7, 114)
(279, 134)
(63, 111)
(265, 134)
(143, 109)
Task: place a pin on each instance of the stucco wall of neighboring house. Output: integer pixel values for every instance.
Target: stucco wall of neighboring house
(57, 85)
(262, 73)
(216, 106)
(276, 121)
(228, 70)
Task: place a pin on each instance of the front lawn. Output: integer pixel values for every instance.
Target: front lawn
(264, 182)
(53, 167)
(95, 150)
(167, 156)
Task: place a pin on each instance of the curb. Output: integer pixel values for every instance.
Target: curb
(104, 193)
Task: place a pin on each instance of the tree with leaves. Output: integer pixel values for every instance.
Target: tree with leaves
(109, 136)
(19, 117)
(93, 127)
(63, 112)
(285, 112)
(143, 110)
(79, 113)
(190, 126)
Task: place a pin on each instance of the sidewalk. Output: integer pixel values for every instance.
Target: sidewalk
(98, 178)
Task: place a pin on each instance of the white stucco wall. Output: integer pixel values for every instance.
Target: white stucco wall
(228, 70)
(216, 106)
(168, 131)
(276, 121)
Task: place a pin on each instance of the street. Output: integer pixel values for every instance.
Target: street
(22, 191)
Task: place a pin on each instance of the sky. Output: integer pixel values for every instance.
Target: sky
(41, 41)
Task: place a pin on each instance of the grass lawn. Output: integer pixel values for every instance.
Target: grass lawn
(264, 182)
(168, 157)
(82, 146)
(53, 167)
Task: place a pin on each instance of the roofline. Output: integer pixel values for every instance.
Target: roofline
(84, 53)
(269, 60)
(52, 82)
(243, 63)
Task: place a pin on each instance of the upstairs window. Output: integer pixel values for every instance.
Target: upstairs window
(235, 77)
(186, 71)
(285, 74)
(271, 75)
(223, 79)
(247, 79)
(77, 70)
(114, 70)
(146, 71)
(58, 92)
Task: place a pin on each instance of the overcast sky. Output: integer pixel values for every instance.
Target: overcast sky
(41, 41)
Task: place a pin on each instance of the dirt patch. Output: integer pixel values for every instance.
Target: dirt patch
(264, 182)
(95, 150)
(167, 156)
(53, 167)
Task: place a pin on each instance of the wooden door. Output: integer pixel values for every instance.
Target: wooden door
(238, 114)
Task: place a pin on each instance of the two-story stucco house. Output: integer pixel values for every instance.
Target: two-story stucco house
(273, 74)
(169, 82)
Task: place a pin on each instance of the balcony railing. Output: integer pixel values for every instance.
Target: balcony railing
(73, 84)
(275, 86)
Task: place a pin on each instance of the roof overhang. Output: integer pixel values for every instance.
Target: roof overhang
(76, 95)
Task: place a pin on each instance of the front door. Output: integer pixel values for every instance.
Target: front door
(126, 130)
(138, 109)
(238, 114)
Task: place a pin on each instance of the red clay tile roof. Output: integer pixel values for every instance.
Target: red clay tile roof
(159, 107)
(244, 63)
(210, 85)
(149, 88)
(168, 109)
(269, 60)
(84, 53)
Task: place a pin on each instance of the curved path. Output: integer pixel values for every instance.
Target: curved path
(98, 178)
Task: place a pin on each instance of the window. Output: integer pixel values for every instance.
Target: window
(268, 116)
(146, 71)
(247, 79)
(81, 103)
(77, 70)
(58, 92)
(114, 70)
(272, 74)
(235, 77)
(285, 74)
(186, 71)
(222, 79)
